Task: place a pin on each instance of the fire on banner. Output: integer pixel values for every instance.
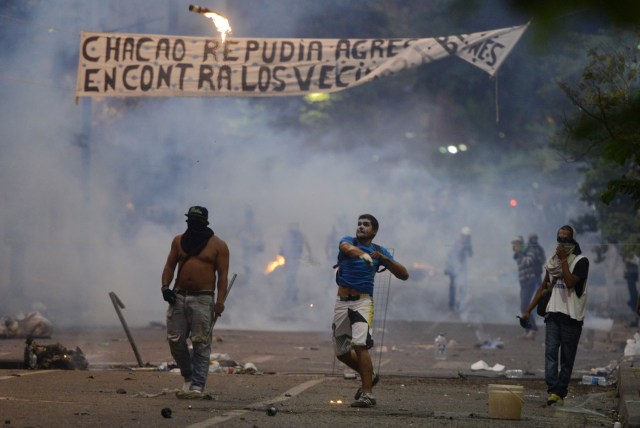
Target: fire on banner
(122, 65)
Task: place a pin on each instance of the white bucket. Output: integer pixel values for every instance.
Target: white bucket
(505, 401)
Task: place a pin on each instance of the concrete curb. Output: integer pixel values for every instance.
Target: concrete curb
(629, 396)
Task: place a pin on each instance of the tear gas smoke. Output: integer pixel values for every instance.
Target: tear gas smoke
(91, 196)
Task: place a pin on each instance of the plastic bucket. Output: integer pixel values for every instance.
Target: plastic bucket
(505, 401)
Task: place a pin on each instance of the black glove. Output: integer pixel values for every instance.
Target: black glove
(169, 295)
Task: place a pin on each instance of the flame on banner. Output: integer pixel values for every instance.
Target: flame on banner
(222, 24)
(271, 266)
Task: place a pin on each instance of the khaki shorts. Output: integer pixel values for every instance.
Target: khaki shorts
(352, 325)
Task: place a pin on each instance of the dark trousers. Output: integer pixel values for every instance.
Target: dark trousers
(562, 337)
(527, 291)
(452, 291)
(633, 293)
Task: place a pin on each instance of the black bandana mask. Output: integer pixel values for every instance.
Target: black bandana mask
(196, 236)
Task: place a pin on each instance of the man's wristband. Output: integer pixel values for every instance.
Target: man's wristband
(165, 287)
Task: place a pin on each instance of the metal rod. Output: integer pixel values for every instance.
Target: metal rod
(117, 303)
(216, 316)
(384, 321)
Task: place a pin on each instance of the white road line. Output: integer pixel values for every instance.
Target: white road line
(230, 414)
(26, 374)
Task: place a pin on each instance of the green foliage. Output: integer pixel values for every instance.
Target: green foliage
(603, 134)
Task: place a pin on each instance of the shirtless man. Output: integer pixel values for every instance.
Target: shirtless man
(201, 257)
(358, 262)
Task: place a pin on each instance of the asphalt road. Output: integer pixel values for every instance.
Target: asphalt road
(298, 375)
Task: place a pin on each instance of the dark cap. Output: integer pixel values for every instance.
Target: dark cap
(199, 212)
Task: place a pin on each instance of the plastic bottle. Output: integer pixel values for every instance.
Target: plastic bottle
(595, 380)
(440, 348)
(514, 373)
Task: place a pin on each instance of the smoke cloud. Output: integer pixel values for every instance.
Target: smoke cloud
(91, 194)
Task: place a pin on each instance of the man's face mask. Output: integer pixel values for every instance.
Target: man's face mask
(567, 243)
(195, 224)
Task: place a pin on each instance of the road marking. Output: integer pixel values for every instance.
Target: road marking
(31, 400)
(230, 414)
(259, 358)
(26, 374)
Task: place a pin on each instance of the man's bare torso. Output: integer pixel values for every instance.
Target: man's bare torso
(199, 272)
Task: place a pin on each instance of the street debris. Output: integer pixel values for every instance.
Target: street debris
(496, 343)
(143, 394)
(632, 348)
(514, 373)
(218, 363)
(166, 412)
(54, 356)
(482, 365)
(271, 411)
(602, 376)
(609, 370)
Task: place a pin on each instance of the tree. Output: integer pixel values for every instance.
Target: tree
(603, 134)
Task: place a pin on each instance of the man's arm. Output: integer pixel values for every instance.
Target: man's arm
(350, 250)
(534, 302)
(170, 265)
(570, 280)
(167, 273)
(222, 273)
(397, 269)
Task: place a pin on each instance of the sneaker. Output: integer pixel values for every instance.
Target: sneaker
(376, 379)
(192, 394)
(531, 335)
(555, 399)
(365, 400)
(186, 386)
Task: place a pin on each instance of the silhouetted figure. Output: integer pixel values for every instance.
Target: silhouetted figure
(251, 243)
(456, 269)
(529, 279)
(292, 249)
(539, 257)
(631, 276)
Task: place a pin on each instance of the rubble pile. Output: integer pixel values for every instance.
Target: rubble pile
(54, 356)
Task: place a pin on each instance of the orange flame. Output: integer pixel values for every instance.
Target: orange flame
(271, 266)
(222, 24)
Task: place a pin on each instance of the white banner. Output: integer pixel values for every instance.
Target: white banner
(124, 65)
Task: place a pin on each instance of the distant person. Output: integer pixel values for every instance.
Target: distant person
(566, 272)
(202, 258)
(292, 249)
(358, 262)
(529, 280)
(456, 269)
(539, 257)
(251, 244)
(631, 276)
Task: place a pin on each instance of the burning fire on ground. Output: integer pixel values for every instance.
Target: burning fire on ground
(271, 266)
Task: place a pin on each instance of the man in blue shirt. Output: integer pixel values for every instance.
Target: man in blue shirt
(358, 262)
